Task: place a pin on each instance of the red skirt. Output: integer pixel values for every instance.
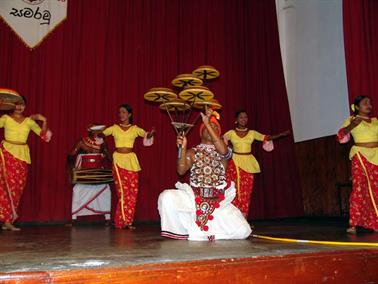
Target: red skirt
(126, 183)
(244, 192)
(363, 201)
(13, 175)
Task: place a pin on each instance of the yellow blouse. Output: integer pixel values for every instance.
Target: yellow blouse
(365, 132)
(18, 133)
(247, 163)
(125, 138)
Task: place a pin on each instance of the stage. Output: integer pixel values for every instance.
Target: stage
(99, 254)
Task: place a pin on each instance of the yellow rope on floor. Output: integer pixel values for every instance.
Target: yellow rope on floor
(333, 243)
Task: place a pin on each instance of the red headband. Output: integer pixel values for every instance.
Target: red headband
(212, 120)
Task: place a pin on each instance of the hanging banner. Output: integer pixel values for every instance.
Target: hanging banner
(312, 49)
(33, 20)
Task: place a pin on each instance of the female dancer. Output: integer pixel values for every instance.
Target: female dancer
(244, 165)
(126, 165)
(364, 155)
(15, 158)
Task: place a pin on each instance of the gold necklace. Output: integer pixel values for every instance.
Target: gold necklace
(241, 130)
(123, 125)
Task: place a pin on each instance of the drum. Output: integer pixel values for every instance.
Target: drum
(90, 161)
(92, 176)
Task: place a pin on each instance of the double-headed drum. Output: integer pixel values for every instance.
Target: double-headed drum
(90, 161)
(92, 176)
(89, 169)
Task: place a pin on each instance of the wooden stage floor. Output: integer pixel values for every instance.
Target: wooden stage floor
(99, 254)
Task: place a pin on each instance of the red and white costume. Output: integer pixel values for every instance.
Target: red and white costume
(203, 210)
(88, 199)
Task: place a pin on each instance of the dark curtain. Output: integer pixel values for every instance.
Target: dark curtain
(111, 52)
(361, 46)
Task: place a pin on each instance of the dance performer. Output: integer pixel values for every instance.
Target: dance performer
(15, 158)
(126, 165)
(363, 208)
(202, 210)
(90, 153)
(244, 165)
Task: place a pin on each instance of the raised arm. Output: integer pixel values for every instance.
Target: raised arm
(185, 162)
(219, 144)
(105, 151)
(71, 156)
(41, 118)
(148, 137)
(349, 126)
(108, 131)
(277, 136)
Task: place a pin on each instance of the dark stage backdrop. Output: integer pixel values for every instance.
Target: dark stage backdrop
(111, 52)
(361, 45)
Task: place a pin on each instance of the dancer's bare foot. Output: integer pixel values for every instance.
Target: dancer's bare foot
(351, 230)
(7, 226)
(129, 227)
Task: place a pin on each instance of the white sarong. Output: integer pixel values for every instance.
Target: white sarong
(178, 216)
(91, 200)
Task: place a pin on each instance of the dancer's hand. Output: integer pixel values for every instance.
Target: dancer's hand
(355, 121)
(206, 118)
(181, 140)
(151, 133)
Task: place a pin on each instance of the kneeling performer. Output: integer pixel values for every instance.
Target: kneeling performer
(203, 210)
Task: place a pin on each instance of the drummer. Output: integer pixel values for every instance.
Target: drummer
(90, 153)
(15, 153)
